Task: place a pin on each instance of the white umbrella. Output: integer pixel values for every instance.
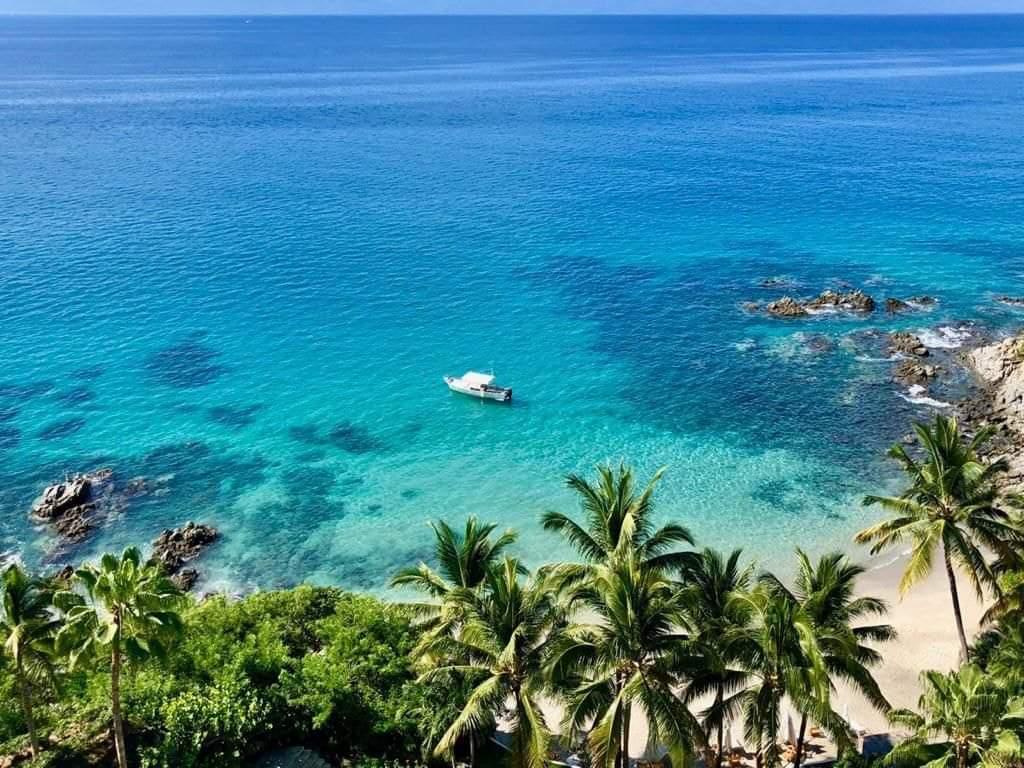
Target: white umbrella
(727, 745)
(790, 730)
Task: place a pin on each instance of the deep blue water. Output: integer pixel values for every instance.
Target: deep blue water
(236, 257)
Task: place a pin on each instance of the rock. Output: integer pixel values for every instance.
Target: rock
(1011, 301)
(174, 548)
(999, 368)
(913, 373)
(895, 306)
(751, 306)
(785, 307)
(75, 525)
(922, 301)
(70, 506)
(907, 344)
(185, 579)
(909, 439)
(854, 301)
(60, 497)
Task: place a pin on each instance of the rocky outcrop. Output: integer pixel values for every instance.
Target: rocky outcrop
(999, 369)
(850, 301)
(907, 344)
(175, 547)
(827, 301)
(785, 307)
(922, 301)
(896, 306)
(914, 373)
(70, 507)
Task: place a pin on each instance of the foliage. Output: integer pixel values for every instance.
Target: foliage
(640, 626)
(965, 718)
(508, 624)
(952, 506)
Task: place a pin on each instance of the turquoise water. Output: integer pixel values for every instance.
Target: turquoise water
(237, 257)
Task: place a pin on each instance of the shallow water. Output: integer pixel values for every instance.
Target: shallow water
(237, 258)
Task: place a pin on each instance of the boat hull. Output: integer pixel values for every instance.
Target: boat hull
(486, 392)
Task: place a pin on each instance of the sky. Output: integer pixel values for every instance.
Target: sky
(255, 7)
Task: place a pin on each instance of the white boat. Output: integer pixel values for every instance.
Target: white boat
(479, 385)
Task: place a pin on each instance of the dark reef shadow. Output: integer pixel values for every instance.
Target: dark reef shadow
(190, 364)
(61, 429)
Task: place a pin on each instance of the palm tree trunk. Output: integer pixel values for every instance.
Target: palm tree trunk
(719, 697)
(115, 704)
(26, 708)
(625, 736)
(964, 653)
(472, 749)
(800, 742)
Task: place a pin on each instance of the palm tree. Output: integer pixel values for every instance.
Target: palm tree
(507, 625)
(615, 513)
(464, 561)
(966, 718)
(126, 608)
(952, 505)
(825, 593)
(632, 657)
(780, 653)
(712, 584)
(27, 626)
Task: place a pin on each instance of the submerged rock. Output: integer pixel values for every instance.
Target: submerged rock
(819, 343)
(1011, 301)
(777, 282)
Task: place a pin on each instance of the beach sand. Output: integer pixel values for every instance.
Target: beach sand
(927, 637)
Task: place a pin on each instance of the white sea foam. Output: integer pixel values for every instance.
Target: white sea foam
(916, 395)
(945, 337)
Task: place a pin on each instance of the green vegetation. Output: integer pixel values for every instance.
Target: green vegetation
(116, 666)
(951, 505)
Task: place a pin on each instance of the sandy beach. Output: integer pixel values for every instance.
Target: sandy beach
(927, 636)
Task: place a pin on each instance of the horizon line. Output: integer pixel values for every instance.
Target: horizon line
(512, 14)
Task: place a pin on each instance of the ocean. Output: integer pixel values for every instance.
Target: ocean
(238, 255)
